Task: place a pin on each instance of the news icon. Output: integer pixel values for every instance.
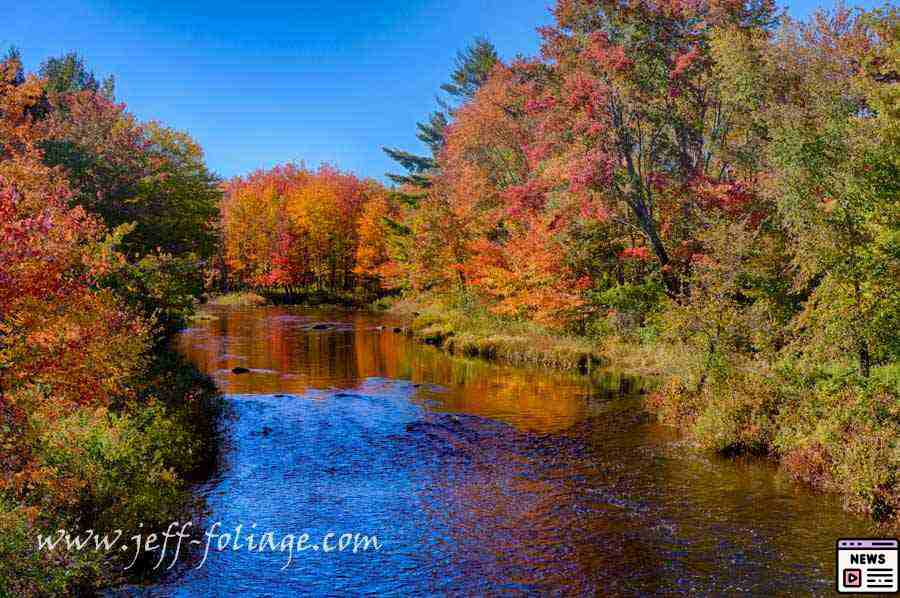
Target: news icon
(867, 566)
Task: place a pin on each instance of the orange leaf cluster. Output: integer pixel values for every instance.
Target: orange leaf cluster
(293, 227)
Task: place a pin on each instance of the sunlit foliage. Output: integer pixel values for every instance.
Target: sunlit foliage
(292, 228)
(88, 429)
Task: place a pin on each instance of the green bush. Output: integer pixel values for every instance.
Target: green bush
(738, 413)
(164, 287)
(843, 434)
(383, 303)
(26, 572)
(123, 467)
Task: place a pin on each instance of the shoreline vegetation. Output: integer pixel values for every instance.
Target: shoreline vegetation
(478, 333)
(808, 424)
(816, 428)
(309, 297)
(105, 224)
(238, 299)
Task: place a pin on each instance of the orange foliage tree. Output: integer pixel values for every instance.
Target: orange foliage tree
(489, 225)
(291, 227)
(594, 165)
(58, 329)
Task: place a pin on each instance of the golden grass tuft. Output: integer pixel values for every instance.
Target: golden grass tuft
(240, 298)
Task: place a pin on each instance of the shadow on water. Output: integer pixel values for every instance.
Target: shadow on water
(476, 478)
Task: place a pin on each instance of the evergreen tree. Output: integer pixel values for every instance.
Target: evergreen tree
(473, 67)
(68, 73)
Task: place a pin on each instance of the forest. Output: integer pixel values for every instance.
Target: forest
(706, 194)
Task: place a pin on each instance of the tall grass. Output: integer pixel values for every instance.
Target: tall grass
(466, 328)
(238, 299)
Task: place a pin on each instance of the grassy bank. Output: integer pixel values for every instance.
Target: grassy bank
(124, 466)
(292, 296)
(469, 330)
(238, 299)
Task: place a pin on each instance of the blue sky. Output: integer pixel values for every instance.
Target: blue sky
(264, 82)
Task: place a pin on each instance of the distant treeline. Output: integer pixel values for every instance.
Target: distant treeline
(294, 229)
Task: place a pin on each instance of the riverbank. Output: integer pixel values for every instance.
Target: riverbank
(476, 333)
(830, 430)
(125, 466)
(506, 460)
(238, 299)
(299, 296)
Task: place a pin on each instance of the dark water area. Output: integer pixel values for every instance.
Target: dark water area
(477, 479)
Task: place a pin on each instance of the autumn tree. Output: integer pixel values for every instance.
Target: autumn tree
(291, 228)
(69, 74)
(177, 200)
(22, 103)
(632, 108)
(473, 66)
(375, 262)
(835, 149)
(103, 150)
(58, 327)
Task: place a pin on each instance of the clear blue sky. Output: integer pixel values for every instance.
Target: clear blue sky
(263, 82)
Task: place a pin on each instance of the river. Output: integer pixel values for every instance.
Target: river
(477, 479)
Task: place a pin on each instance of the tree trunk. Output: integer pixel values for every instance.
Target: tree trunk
(662, 256)
(865, 360)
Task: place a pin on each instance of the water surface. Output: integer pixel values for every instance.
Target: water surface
(477, 479)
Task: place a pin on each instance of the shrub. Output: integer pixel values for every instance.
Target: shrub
(26, 572)
(624, 308)
(164, 287)
(844, 435)
(112, 470)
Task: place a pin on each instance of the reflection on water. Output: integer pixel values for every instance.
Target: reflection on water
(285, 356)
(478, 479)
